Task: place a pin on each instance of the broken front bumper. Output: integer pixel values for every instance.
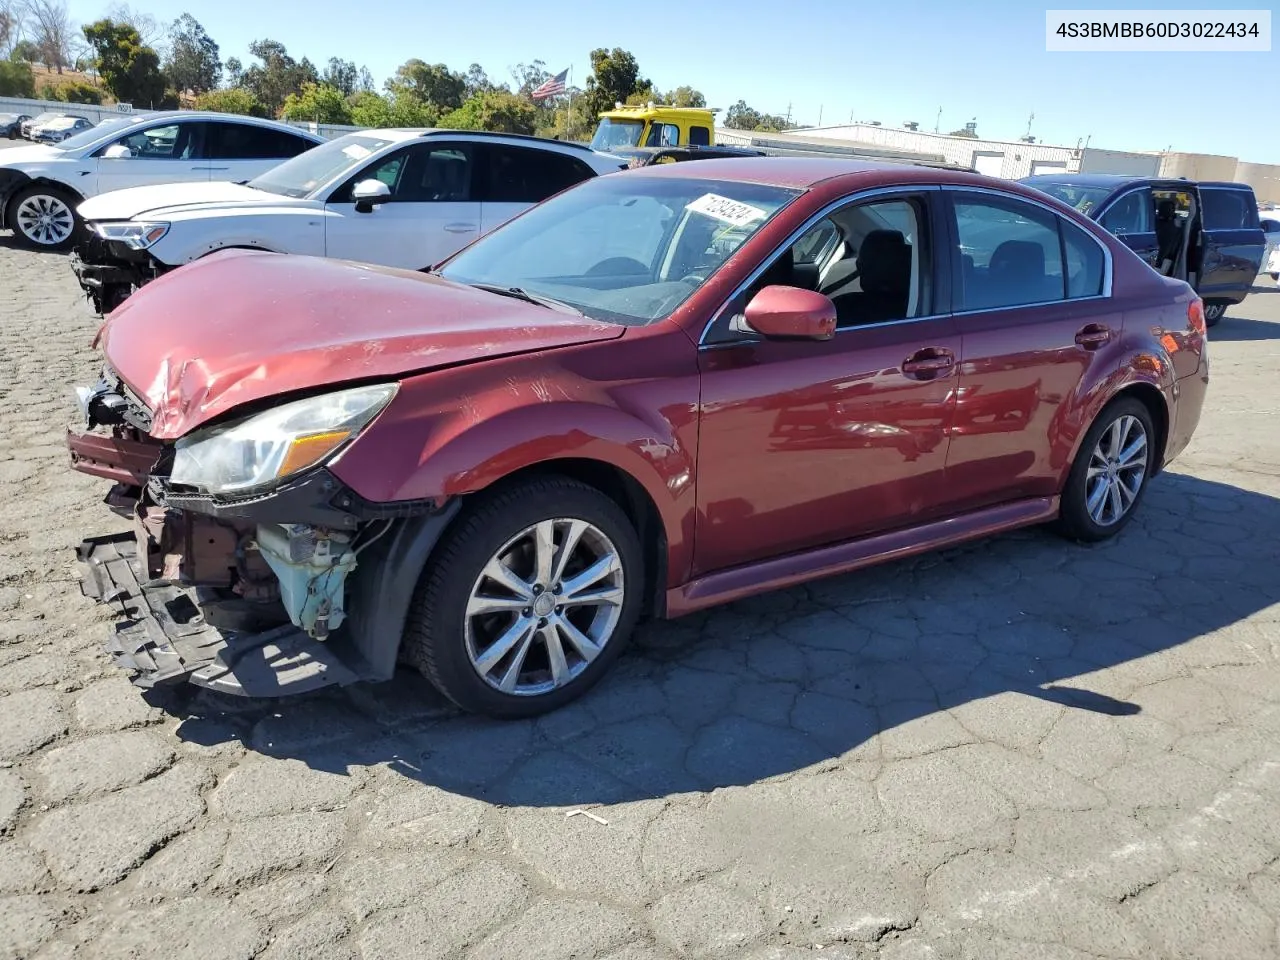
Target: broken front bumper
(108, 272)
(171, 633)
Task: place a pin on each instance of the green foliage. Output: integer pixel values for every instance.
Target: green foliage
(477, 81)
(430, 87)
(50, 91)
(231, 100)
(615, 77)
(130, 70)
(81, 93)
(369, 109)
(497, 110)
(964, 132)
(16, 79)
(685, 97)
(275, 77)
(742, 117)
(342, 75)
(319, 102)
(193, 62)
(25, 51)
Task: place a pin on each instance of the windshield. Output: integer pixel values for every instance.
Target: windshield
(308, 171)
(627, 249)
(105, 129)
(1084, 199)
(617, 133)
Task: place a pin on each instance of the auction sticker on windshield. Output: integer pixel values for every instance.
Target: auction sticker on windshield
(355, 151)
(728, 211)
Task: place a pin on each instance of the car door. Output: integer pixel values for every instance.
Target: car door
(1233, 242)
(1131, 218)
(514, 178)
(429, 215)
(242, 151)
(1035, 335)
(808, 443)
(165, 152)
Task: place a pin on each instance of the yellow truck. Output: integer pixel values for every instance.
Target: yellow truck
(652, 125)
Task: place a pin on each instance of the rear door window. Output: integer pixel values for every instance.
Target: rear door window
(525, 175)
(243, 141)
(1225, 208)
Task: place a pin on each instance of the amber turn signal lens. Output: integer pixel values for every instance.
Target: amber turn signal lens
(304, 451)
(1195, 316)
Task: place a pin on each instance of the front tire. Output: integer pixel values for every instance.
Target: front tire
(44, 218)
(1213, 312)
(1110, 473)
(529, 598)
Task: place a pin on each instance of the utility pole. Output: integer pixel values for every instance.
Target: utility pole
(788, 114)
(1029, 119)
(937, 124)
(819, 114)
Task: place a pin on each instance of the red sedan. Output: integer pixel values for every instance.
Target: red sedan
(661, 390)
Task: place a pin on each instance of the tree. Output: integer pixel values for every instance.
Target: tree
(685, 97)
(235, 72)
(193, 62)
(150, 31)
(25, 51)
(498, 110)
(529, 76)
(342, 75)
(319, 102)
(51, 32)
(742, 117)
(129, 68)
(277, 76)
(369, 109)
(366, 82)
(968, 132)
(477, 81)
(16, 79)
(432, 85)
(231, 100)
(11, 17)
(615, 76)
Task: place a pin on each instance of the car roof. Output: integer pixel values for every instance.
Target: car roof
(213, 115)
(805, 172)
(1087, 179)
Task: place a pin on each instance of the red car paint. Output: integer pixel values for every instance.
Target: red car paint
(766, 462)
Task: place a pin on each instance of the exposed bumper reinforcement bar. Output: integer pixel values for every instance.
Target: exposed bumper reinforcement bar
(164, 637)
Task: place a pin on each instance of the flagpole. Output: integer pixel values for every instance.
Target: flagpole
(568, 117)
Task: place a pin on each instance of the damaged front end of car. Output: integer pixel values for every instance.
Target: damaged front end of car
(112, 261)
(251, 569)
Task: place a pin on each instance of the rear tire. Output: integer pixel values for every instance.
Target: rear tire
(1213, 312)
(43, 217)
(497, 623)
(1110, 473)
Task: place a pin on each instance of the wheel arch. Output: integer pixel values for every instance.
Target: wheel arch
(26, 182)
(1153, 399)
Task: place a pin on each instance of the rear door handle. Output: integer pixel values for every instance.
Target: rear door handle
(210, 168)
(929, 363)
(1093, 335)
(459, 228)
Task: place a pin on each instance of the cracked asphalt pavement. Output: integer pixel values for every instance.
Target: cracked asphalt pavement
(1017, 749)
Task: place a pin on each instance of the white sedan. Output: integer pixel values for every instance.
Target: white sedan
(40, 186)
(398, 198)
(1271, 228)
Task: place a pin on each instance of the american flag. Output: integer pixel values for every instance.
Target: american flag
(552, 88)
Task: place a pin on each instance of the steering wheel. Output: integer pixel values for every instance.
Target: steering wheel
(617, 266)
(696, 277)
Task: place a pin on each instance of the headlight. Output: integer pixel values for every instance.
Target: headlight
(273, 445)
(137, 236)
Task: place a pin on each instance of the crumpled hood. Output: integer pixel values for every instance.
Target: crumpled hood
(168, 199)
(240, 326)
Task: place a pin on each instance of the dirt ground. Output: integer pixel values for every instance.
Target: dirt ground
(1018, 749)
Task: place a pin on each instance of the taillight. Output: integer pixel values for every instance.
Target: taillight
(1195, 316)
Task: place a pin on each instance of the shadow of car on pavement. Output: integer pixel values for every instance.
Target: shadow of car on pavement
(784, 681)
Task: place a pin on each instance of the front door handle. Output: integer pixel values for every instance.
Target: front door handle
(929, 363)
(459, 228)
(210, 168)
(1093, 335)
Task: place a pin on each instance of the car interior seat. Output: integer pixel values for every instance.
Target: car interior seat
(1168, 236)
(884, 274)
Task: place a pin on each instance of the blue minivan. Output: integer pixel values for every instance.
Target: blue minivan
(1207, 234)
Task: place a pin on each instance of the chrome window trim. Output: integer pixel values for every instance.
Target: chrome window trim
(1108, 273)
(1107, 267)
(795, 235)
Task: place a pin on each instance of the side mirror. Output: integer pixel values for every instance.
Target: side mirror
(368, 194)
(117, 151)
(790, 313)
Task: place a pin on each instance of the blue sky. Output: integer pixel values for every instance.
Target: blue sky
(892, 61)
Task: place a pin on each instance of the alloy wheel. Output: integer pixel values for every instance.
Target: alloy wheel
(1117, 469)
(544, 607)
(45, 220)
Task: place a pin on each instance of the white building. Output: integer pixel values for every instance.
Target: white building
(1010, 160)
